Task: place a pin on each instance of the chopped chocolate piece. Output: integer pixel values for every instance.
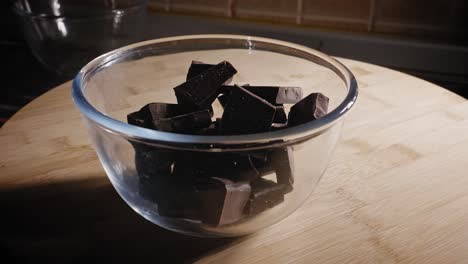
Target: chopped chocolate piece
(278, 161)
(140, 118)
(261, 161)
(283, 163)
(226, 89)
(280, 115)
(246, 113)
(277, 95)
(145, 116)
(273, 94)
(196, 68)
(265, 194)
(152, 161)
(223, 100)
(179, 200)
(208, 131)
(240, 166)
(235, 167)
(213, 129)
(153, 167)
(200, 91)
(188, 123)
(154, 111)
(308, 109)
(265, 92)
(222, 201)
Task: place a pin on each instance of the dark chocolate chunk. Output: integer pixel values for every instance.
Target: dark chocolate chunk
(262, 162)
(222, 201)
(152, 161)
(196, 68)
(313, 107)
(283, 163)
(246, 113)
(265, 194)
(280, 115)
(140, 118)
(200, 91)
(235, 167)
(223, 100)
(153, 167)
(211, 130)
(275, 95)
(188, 123)
(145, 116)
(154, 111)
(179, 200)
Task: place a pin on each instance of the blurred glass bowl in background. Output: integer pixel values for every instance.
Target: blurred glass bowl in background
(66, 34)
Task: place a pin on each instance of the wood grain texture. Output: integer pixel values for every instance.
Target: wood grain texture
(396, 190)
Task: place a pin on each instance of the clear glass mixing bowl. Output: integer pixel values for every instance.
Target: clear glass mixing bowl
(64, 35)
(123, 80)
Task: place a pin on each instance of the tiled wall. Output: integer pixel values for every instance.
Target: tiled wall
(436, 18)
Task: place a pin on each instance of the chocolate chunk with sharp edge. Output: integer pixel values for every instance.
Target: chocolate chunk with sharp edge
(200, 91)
(152, 161)
(140, 118)
(153, 111)
(179, 201)
(283, 163)
(222, 201)
(188, 123)
(265, 194)
(262, 162)
(145, 116)
(223, 100)
(211, 130)
(235, 167)
(280, 115)
(312, 107)
(277, 95)
(153, 167)
(196, 68)
(246, 113)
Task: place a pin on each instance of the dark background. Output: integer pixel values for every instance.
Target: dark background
(437, 56)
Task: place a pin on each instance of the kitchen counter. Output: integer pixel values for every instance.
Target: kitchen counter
(395, 191)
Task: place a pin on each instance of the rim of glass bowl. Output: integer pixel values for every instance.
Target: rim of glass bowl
(216, 143)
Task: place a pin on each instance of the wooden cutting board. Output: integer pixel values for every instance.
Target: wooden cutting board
(396, 190)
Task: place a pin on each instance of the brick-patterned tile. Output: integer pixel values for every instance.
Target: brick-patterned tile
(429, 18)
(209, 7)
(338, 8)
(159, 5)
(271, 10)
(342, 14)
(427, 12)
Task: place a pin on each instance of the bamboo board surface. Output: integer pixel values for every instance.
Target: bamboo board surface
(396, 190)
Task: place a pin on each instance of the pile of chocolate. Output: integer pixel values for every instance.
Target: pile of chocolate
(220, 188)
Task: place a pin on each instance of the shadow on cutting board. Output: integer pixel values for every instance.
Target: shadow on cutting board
(79, 221)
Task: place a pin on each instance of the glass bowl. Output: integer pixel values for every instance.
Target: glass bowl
(64, 35)
(122, 81)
